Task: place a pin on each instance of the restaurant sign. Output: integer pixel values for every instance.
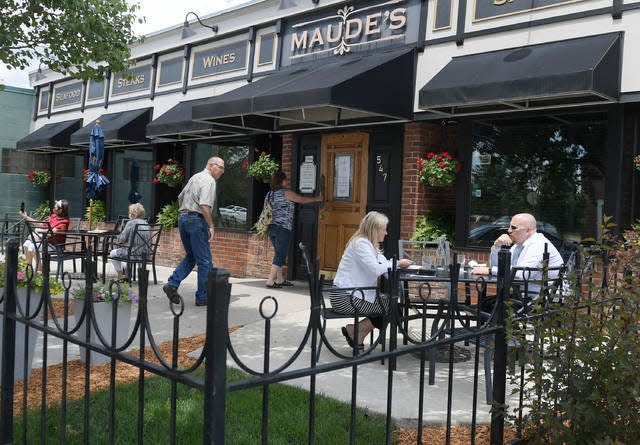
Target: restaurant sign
(136, 79)
(70, 94)
(488, 9)
(220, 60)
(351, 28)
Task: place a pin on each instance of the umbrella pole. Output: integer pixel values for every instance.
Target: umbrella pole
(90, 214)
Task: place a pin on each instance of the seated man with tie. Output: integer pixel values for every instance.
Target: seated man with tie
(527, 249)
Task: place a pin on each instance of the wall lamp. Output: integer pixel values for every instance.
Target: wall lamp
(39, 76)
(188, 32)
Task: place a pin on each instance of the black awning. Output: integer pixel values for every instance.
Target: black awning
(177, 125)
(581, 71)
(354, 89)
(51, 138)
(123, 129)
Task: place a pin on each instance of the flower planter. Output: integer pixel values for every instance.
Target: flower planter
(21, 333)
(104, 316)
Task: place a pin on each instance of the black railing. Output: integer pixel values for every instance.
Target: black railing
(218, 346)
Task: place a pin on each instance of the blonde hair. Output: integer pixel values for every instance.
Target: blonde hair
(137, 211)
(369, 227)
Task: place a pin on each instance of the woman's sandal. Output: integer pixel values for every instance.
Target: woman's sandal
(273, 286)
(285, 283)
(350, 340)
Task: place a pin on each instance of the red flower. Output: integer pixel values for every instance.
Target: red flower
(430, 155)
(156, 167)
(155, 180)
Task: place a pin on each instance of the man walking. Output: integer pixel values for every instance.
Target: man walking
(195, 224)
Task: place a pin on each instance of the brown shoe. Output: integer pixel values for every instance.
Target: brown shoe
(173, 296)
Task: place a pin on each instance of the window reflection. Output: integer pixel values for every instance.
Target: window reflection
(554, 172)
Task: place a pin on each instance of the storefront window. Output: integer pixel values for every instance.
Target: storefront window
(554, 172)
(233, 186)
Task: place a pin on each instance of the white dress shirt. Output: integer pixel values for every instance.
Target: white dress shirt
(360, 266)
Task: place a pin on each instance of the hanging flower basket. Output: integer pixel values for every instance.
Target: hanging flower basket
(39, 178)
(437, 169)
(636, 162)
(263, 168)
(171, 173)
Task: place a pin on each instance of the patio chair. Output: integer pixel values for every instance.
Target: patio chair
(319, 289)
(72, 248)
(144, 243)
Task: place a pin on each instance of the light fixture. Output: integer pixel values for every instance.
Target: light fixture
(286, 4)
(39, 76)
(188, 32)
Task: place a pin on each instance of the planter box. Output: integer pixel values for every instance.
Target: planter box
(103, 316)
(21, 333)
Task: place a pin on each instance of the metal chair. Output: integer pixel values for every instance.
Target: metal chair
(141, 247)
(72, 248)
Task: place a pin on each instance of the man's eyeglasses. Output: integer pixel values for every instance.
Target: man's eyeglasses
(513, 228)
(221, 167)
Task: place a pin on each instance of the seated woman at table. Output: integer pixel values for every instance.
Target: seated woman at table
(360, 266)
(59, 222)
(126, 238)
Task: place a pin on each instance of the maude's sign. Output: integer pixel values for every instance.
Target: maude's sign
(353, 27)
(67, 95)
(486, 9)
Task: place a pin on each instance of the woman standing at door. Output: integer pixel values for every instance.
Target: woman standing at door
(283, 203)
(360, 266)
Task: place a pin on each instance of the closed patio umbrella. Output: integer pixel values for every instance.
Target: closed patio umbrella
(96, 181)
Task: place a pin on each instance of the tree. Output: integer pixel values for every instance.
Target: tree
(81, 38)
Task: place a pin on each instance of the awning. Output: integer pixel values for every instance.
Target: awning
(177, 125)
(51, 138)
(349, 90)
(123, 129)
(568, 73)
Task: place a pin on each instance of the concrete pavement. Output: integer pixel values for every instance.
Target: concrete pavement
(287, 330)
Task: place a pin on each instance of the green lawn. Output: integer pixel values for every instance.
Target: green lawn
(288, 421)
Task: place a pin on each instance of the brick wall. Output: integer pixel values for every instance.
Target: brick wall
(419, 138)
(243, 254)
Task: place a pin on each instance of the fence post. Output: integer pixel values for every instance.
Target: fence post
(498, 407)
(215, 377)
(8, 343)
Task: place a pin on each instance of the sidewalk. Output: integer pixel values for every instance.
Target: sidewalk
(288, 326)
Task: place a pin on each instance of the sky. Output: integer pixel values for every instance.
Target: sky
(159, 14)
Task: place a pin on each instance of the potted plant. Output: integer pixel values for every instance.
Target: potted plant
(437, 169)
(105, 301)
(96, 213)
(28, 287)
(39, 178)
(168, 215)
(171, 173)
(263, 168)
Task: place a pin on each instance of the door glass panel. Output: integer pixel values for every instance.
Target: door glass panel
(343, 177)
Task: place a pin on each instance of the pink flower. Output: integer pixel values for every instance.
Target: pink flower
(20, 276)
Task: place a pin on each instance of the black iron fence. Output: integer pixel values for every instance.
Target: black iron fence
(454, 324)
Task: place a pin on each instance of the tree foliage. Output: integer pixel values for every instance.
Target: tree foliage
(82, 38)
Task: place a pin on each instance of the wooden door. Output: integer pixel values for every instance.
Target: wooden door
(344, 167)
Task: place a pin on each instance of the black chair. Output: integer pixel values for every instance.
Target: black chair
(319, 289)
(71, 249)
(143, 244)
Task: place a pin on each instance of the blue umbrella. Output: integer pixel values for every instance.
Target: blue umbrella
(96, 181)
(134, 176)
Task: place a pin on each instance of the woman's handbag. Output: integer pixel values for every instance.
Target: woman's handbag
(262, 226)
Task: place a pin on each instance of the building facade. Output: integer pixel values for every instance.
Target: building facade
(537, 102)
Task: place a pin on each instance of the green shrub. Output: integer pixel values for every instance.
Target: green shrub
(581, 382)
(98, 213)
(168, 215)
(42, 211)
(432, 226)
